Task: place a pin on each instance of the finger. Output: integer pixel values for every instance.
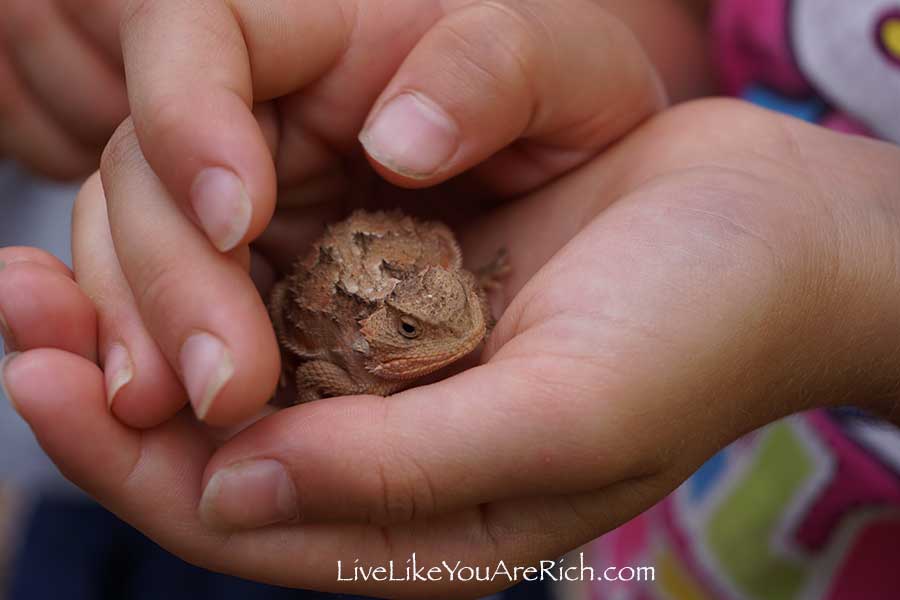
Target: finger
(565, 79)
(50, 55)
(152, 478)
(199, 305)
(141, 388)
(186, 82)
(422, 453)
(409, 448)
(30, 136)
(43, 308)
(48, 379)
(62, 398)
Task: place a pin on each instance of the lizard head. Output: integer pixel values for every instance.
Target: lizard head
(428, 321)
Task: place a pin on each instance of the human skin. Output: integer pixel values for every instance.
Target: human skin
(62, 84)
(606, 73)
(721, 267)
(523, 117)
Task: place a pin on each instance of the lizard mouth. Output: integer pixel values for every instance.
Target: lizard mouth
(407, 363)
(412, 367)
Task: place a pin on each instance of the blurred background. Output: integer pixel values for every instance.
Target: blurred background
(34, 213)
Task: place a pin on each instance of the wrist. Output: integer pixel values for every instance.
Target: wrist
(862, 285)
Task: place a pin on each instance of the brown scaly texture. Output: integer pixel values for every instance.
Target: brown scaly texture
(380, 300)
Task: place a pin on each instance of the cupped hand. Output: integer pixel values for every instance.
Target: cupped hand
(512, 93)
(62, 84)
(720, 268)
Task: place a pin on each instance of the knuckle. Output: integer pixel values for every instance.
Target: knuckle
(404, 490)
(395, 503)
(498, 43)
(516, 20)
(157, 285)
(395, 500)
(165, 116)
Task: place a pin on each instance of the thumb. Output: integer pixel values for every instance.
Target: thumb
(565, 79)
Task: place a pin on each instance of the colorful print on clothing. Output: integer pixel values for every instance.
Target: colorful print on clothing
(840, 55)
(807, 508)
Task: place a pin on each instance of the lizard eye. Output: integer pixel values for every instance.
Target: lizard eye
(408, 328)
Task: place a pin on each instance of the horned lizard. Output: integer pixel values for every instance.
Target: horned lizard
(380, 300)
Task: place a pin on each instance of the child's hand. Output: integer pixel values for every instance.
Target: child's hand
(62, 87)
(720, 268)
(436, 87)
(516, 92)
(62, 90)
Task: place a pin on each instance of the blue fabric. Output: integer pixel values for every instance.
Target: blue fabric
(705, 478)
(809, 109)
(76, 550)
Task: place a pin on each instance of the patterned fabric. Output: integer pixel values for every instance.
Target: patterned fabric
(809, 507)
(842, 56)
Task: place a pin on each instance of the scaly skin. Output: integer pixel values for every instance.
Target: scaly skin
(380, 301)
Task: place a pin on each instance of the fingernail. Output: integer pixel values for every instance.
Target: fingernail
(206, 366)
(249, 494)
(118, 371)
(412, 136)
(222, 205)
(3, 365)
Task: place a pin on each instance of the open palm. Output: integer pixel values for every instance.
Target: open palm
(702, 278)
